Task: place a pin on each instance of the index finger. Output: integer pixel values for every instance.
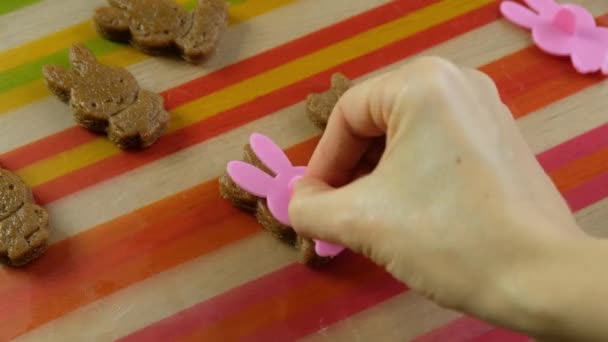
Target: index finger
(356, 119)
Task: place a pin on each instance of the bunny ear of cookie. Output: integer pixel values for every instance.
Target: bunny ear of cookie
(122, 4)
(81, 58)
(112, 21)
(250, 178)
(59, 80)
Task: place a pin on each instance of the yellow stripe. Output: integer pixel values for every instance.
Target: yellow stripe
(123, 57)
(49, 44)
(230, 97)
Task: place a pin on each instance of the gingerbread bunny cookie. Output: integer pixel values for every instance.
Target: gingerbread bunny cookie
(263, 182)
(106, 99)
(157, 26)
(24, 226)
(320, 106)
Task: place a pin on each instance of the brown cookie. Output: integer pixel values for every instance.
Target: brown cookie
(320, 106)
(24, 226)
(108, 100)
(159, 26)
(250, 203)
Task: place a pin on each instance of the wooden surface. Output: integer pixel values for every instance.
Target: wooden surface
(144, 248)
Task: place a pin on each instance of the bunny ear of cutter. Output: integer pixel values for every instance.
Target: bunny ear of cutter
(270, 154)
(563, 30)
(250, 178)
(276, 189)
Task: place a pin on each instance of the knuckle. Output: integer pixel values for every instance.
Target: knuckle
(433, 72)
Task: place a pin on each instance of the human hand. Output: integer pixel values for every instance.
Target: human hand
(424, 171)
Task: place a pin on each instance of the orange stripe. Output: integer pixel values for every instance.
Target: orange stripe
(305, 296)
(104, 259)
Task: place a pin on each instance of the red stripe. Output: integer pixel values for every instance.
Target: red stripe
(365, 295)
(460, 329)
(587, 193)
(345, 269)
(576, 148)
(260, 107)
(227, 76)
(217, 308)
(501, 335)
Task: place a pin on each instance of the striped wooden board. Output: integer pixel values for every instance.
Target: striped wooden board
(144, 249)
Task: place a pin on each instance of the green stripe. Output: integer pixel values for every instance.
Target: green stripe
(13, 5)
(31, 71)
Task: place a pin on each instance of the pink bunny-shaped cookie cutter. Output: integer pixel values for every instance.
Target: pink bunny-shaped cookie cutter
(563, 30)
(276, 189)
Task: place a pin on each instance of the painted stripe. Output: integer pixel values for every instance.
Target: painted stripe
(582, 170)
(72, 217)
(464, 328)
(119, 253)
(350, 283)
(7, 6)
(401, 318)
(134, 247)
(505, 69)
(225, 77)
(108, 53)
(40, 48)
(529, 79)
(158, 74)
(139, 304)
(144, 243)
(367, 293)
(588, 193)
(574, 149)
(501, 335)
(227, 305)
(237, 116)
(247, 314)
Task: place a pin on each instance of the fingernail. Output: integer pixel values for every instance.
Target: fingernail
(291, 184)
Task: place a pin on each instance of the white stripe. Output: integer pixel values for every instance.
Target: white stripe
(168, 292)
(36, 21)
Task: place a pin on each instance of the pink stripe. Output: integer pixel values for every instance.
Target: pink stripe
(588, 193)
(574, 149)
(501, 335)
(216, 309)
(461, 329)
(316, 318)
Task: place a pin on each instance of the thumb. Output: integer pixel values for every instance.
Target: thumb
(318, 211)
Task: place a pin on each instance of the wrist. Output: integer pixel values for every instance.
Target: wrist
(547, 296)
